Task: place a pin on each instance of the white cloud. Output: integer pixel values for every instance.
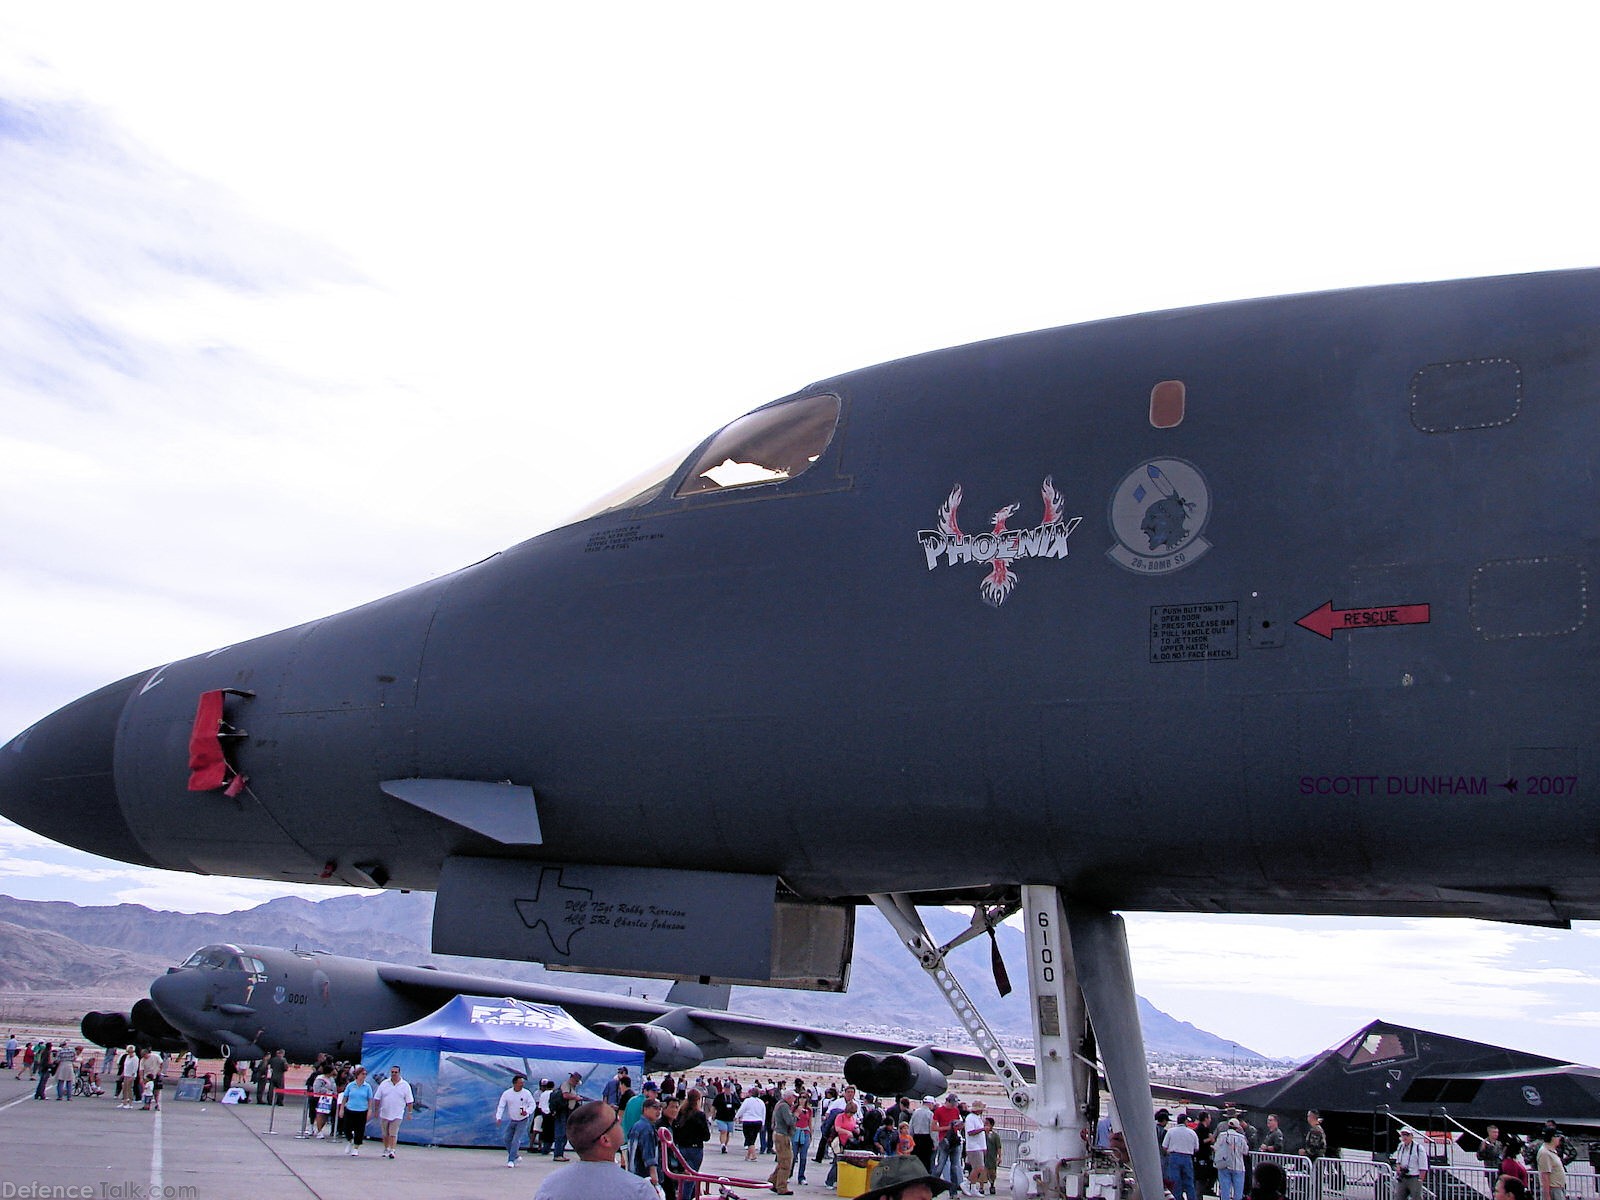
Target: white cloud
(15, 837)
(35, 868)
(1579, 1020)
(1284, 986)
(1347, 966)
(27, 868)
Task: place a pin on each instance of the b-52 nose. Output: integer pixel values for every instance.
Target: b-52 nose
(177, 995)
(58, 778)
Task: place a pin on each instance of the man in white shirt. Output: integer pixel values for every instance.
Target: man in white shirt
(1410, 1165)
(516, 1108)
(1182, 1143)
(129, 1081)
(393, 1101)
(977, 1143)
(922, 1133)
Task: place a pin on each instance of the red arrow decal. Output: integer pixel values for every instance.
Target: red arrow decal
(1328, 618)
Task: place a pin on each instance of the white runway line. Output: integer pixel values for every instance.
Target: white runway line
(156, 1177)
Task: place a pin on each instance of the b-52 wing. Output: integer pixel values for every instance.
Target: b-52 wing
(677, 1036)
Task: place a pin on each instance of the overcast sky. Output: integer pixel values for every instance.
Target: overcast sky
(302, 305)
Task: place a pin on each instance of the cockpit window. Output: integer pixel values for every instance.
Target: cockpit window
(772, 444)
(765, 446)
(217, 958)
(1368, 1048)
(641, 489)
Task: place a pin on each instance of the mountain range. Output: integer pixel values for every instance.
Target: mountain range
(110, 953)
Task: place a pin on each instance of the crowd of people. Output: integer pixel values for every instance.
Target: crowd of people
(1200, 1153)
(946, 1145)
(797, 1123)
(69, 1068)
(1510, 1157)
(923, 1149)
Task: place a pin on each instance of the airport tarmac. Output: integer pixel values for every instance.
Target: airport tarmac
(89, 1149)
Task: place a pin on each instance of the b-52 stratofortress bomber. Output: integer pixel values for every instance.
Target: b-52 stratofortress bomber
(245, 1001)
(1258, 607)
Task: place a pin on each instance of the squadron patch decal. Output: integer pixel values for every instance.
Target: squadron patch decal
(999, 547)
(1157, 514)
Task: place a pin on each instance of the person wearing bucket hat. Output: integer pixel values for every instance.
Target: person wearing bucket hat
(903, 1178)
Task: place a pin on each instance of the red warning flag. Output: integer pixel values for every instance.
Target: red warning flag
(208, 769)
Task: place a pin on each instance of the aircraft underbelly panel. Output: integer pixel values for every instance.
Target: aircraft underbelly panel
(636, 920)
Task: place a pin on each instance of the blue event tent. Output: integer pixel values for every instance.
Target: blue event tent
(459, 1059)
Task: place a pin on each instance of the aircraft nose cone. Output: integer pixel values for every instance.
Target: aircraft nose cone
(57, 778)
(171, 994)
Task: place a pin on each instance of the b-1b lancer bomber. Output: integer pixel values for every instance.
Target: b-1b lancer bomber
(1257, 607)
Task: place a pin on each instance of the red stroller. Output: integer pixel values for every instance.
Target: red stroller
(675, 1166)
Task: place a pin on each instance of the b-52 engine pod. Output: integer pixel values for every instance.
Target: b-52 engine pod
(663, 1049)
(908, 1074)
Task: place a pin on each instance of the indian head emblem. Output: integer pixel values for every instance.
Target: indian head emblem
(999, 547)
(1157, 514)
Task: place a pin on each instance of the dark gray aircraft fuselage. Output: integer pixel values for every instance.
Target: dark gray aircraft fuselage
(246, 1001)
(1320, 645)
